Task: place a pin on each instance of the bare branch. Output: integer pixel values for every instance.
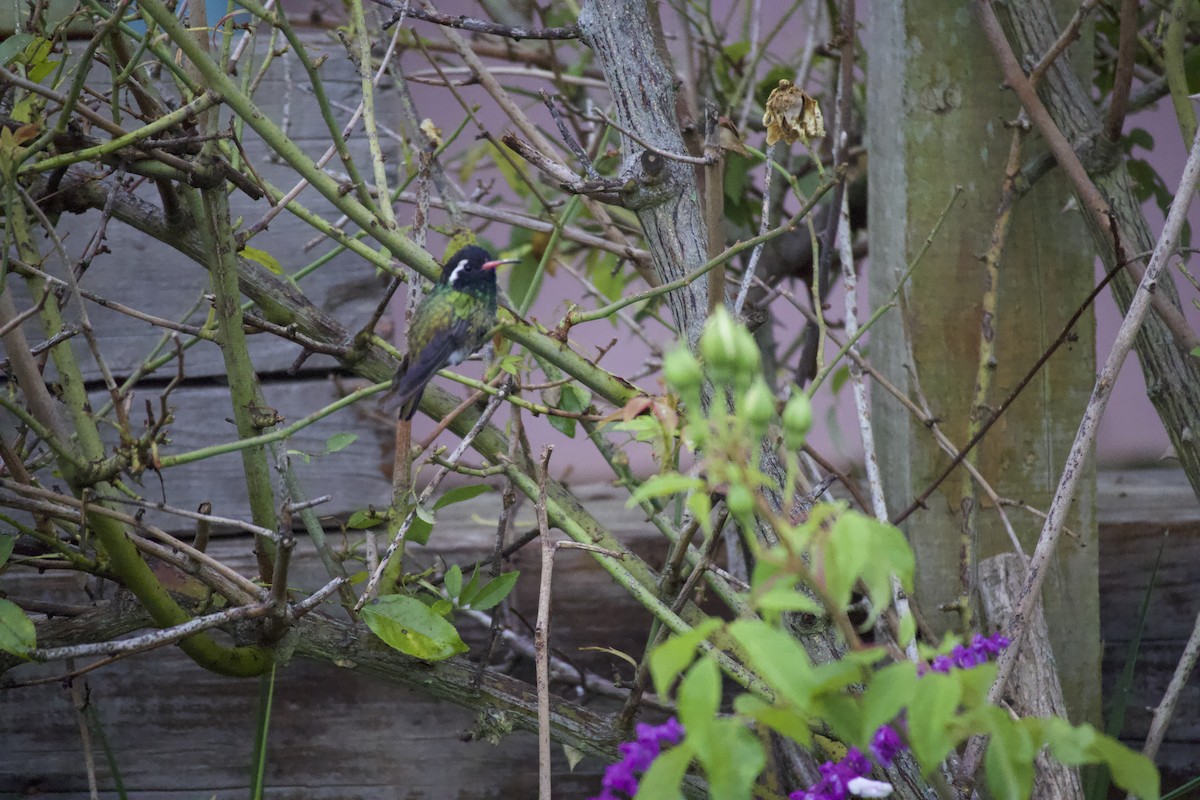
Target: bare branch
(462, 22)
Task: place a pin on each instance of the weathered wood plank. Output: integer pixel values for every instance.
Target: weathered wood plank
(175, 732)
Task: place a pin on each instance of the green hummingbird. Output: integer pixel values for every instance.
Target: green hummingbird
(451, 323)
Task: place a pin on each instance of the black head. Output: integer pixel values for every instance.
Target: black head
(470, 267)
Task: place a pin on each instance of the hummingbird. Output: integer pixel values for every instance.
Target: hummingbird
(451, 323)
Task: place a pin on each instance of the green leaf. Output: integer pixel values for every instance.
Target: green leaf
(1132, 771)
(737, 51)
(13, 46)
(733, 761)
(699, 698)
(1139, 137)
(675, 654)
(863, 548)
(783, 720)
(339, 441)
(494, 591)
(572, 399)
(700, 506)
(460, 494)
(365, 518)
(889, 690)
(263, 258)
(667, 483)
(778, 658)
(1083, 744)
(512, 364)
(453, 581)
(839, 378)
(17, 634)
(975, 683)
(520, 281)
(420, 530)
(7, 542)
(573, 756)
(1009, 761)
(662, 780)
(781, 597)
(1069, 744)
(930, 718)
(413, 628)
(602, 268)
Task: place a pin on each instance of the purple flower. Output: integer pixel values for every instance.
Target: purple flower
(637, 756)
(991, 645)
(965, 657)
(886, 745)
(670, 732)
(856, 762)
(941, 664)
(619, 777)
(836, 778)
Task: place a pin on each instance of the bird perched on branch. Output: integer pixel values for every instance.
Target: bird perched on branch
(451, 323)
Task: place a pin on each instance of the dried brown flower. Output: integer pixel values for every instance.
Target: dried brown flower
(791, 114)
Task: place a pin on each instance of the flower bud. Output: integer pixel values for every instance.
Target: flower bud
(718, 345)
(749, 359)
(757, 406)
(682, 370)
(797, 419)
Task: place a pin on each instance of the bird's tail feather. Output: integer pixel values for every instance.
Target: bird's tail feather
(405, 393)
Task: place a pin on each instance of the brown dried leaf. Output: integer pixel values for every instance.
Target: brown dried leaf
(791, 115)
(731, 141)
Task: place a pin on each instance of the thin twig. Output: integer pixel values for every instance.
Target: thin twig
(377, 575)
(158, 638)
(1127, 46)
(79, 700)
(763, 225)
(597, 115)
(462, 22)
(541, 632)
(570, 141)
(1069, 34)
(1166, 707)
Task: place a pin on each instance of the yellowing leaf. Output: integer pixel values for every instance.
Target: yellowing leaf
(262, 257)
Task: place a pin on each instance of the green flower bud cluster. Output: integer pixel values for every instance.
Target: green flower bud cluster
(740, 414)
(729, 351)
(732, 362)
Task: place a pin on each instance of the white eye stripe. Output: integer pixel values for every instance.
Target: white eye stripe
(457, 271)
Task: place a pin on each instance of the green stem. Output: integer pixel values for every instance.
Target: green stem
(279, 20)
(201, 103)
(535, 283)
(358, 21)
(123, 557)
(575, 317)
(1173, 64)
(276, 435)
(213, 216)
